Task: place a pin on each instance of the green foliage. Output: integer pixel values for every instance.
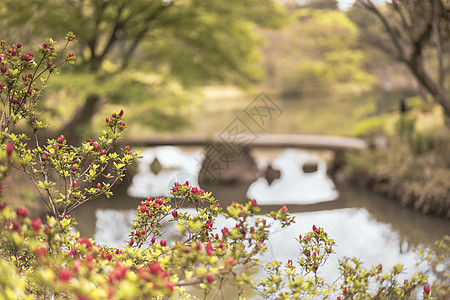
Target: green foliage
(49, 260)
(319, 55)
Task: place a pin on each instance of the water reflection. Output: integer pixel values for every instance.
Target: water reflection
(354, 230)
(294, 185)
(176, 166)
(364, 225)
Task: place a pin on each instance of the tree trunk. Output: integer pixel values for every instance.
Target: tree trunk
(82, 117)
(434, 89)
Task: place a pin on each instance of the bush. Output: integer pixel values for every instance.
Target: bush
(47, 259)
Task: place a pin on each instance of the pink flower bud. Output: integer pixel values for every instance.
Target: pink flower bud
(143, 232)
(3, 69)
(95, 148)
(75, 184)
(26, 58)
(254, 203)
(14, 52)
(70, 54)
(284, 208)
(143, 209)
(2, 85)
(138, 233)
(19, 45)
(61, 139)
(99, 186)
(121, 113)
(103, 152)
(107, 120)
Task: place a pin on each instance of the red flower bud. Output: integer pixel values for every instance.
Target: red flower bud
(127, 148)
(19, 45)
(74, 169)
(9, 148)
(209, 278)
(138, 233)
(153, 240)
(300, 237)
(174, 214)
(143, 209)
(70, 54)
(103, 152)
(3, 69)
(154, 268)
(40, 252)
(163, 243)
(254, 203)
(284, 208)
(99, 186)
(36, 224)
(426, 289)
(22, 212)
(314, 228)
(107, 120)
(61, 139)
(225, 231)
(121, 113)
(95, 148)
(143, 232)
(289, 262)
(65, 275)
(131, 242)
(14, 52)
(75, 184)
(2, 85)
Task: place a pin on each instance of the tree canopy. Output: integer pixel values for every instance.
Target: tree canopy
(191, 41)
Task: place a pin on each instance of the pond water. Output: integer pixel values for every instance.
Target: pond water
(363, 225)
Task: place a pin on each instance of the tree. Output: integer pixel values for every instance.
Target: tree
(317, 54)
(190, 40)
(413, 31)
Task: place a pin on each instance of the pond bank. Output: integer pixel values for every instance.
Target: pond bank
(413, 176)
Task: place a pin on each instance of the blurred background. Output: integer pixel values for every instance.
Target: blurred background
(374, 70)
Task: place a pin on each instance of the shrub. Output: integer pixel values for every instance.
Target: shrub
(47, 259)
